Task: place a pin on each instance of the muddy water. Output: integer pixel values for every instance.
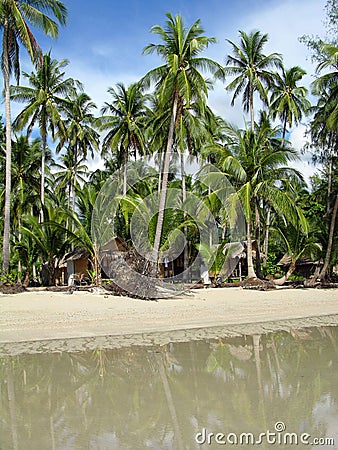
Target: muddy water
(194, 395)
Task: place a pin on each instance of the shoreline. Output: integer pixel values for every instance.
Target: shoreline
(84, 344)
(36, 321)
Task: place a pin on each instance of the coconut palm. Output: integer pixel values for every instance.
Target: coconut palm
(16, 16)
(178, 82)
(256, 164)
(251, 69)
(69, 172)
(81, 138)
(86, 197)
(329, 83)
(45, 100)
(124, 119)
(25, 181)
(297, 244)
(324, 131)
(49, 238)
(288, 100)
(25, 177)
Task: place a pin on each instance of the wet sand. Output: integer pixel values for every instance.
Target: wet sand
(49, 316)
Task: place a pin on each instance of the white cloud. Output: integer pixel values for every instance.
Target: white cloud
(285, 22)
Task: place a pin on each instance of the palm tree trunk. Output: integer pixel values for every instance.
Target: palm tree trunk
(125, 172)
(19, 261)
(323, 272)
(284, 132)
(184, 198)
(43, 161)
(73, 204)
(73, 189)
(251, 270)
(7, 212)
(329, 184)
(266, 238)
(258, 241)
(163, 196)
(160, 173)
(252, 113)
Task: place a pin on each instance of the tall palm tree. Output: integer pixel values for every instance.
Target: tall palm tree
(324, 128)
(251, 68)
(45, 101)
(81, 137)
(124, 118)
(16, 16)
(288, 100)
(25, 182)
(256, 166)
(178, 82)
(329, 82)
(25, 176)
(50, 238)
(69, 172)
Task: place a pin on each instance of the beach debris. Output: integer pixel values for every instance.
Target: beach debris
(12, 288)
(132, 275)
(259, 285)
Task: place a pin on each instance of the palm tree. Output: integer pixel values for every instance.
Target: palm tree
(324, 129)
(69, 172)
(124, 119)
(81, 137)
(328, 82)
(45, 101)
(49, 238)
(297, 245)
(256, 164)
(15, 19)
(251, 69)
(178, 82)
(288, 100)
(86, 197)
(25, 181)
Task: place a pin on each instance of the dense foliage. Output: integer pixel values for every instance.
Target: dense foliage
(48, 192)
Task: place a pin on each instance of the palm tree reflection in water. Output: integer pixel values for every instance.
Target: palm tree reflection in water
(159, 397)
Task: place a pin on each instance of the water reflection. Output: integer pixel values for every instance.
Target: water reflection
(160, 397)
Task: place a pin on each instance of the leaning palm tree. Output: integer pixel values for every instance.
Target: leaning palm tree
(124, 119)
(16, 16)
(45, 100)
(251, 68)
(178, 82)
(288, 100)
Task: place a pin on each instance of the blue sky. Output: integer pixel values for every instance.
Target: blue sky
(103, 40)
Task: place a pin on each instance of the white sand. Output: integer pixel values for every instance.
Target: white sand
(42, 315)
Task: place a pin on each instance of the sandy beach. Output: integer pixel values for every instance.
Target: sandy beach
(37, 316)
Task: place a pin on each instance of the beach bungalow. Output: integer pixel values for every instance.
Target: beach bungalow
(305, 267)
(73, 268)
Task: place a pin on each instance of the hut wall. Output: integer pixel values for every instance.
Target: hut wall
(81, 267)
